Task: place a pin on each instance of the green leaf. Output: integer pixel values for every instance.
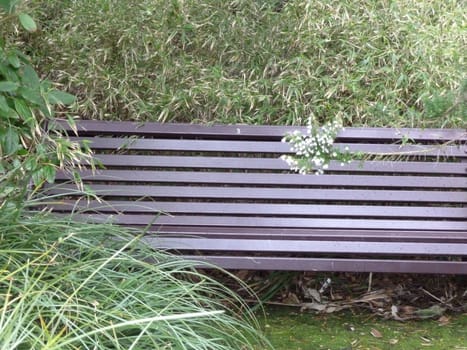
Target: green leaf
(9, 141)
(8, 72)
(27, 22)
(30, 77)
(10, 113)
(31, 164)
(4, 104)
(46, 111)
(60, 97)
(37, 177)
(31, 95)
(22, 56)
(49, 173)
(23, 110)
(72, 124)
(14, 60)
(8, 86)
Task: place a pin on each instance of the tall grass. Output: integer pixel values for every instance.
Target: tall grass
(67, 285)
(398, 63)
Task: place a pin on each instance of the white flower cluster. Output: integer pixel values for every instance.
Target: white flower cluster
(315, 150)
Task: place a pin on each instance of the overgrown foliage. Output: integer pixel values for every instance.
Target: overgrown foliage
(29, 151)
(378, 63)
(67, 285)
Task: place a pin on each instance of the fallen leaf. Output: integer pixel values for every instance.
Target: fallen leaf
(375, 333)
(313, 306)
(443, 320)
(291, 298)
(243, 274)
(393, 341)
(331, 309)
(337, 296)
(312, 294)
(406, 310)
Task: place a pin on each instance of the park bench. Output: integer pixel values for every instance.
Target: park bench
(221, 194)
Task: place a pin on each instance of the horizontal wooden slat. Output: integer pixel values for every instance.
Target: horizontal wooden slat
(414, 135)
(331, 264)
(237, 221)
(110, 160)
(99, 143)
(268, 193)
(210, 177)
(348, 234)
(262, 209)
(300, 246)
(257, 132)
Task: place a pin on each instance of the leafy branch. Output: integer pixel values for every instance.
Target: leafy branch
(31, 150)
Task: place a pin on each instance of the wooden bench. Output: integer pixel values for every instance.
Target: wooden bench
(221, 194)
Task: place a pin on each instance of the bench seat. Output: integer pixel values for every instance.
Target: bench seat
(221, 194)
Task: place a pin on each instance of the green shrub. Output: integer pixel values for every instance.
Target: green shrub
(67, 285)
(366, 62)
(29, 151)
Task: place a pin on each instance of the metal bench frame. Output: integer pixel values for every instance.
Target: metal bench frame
(221, 194)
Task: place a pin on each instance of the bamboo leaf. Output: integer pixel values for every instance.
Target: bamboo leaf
(60, 97)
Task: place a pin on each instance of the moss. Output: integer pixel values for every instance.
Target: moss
(289, 330)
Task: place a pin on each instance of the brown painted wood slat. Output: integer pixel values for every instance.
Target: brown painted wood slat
(204, 177)
(109, 160)
(347, 234)
(91, 128)
(263, 209)
(300, 246)
(268, 193)
(331, 264)
(237, 221)
(99, 143)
